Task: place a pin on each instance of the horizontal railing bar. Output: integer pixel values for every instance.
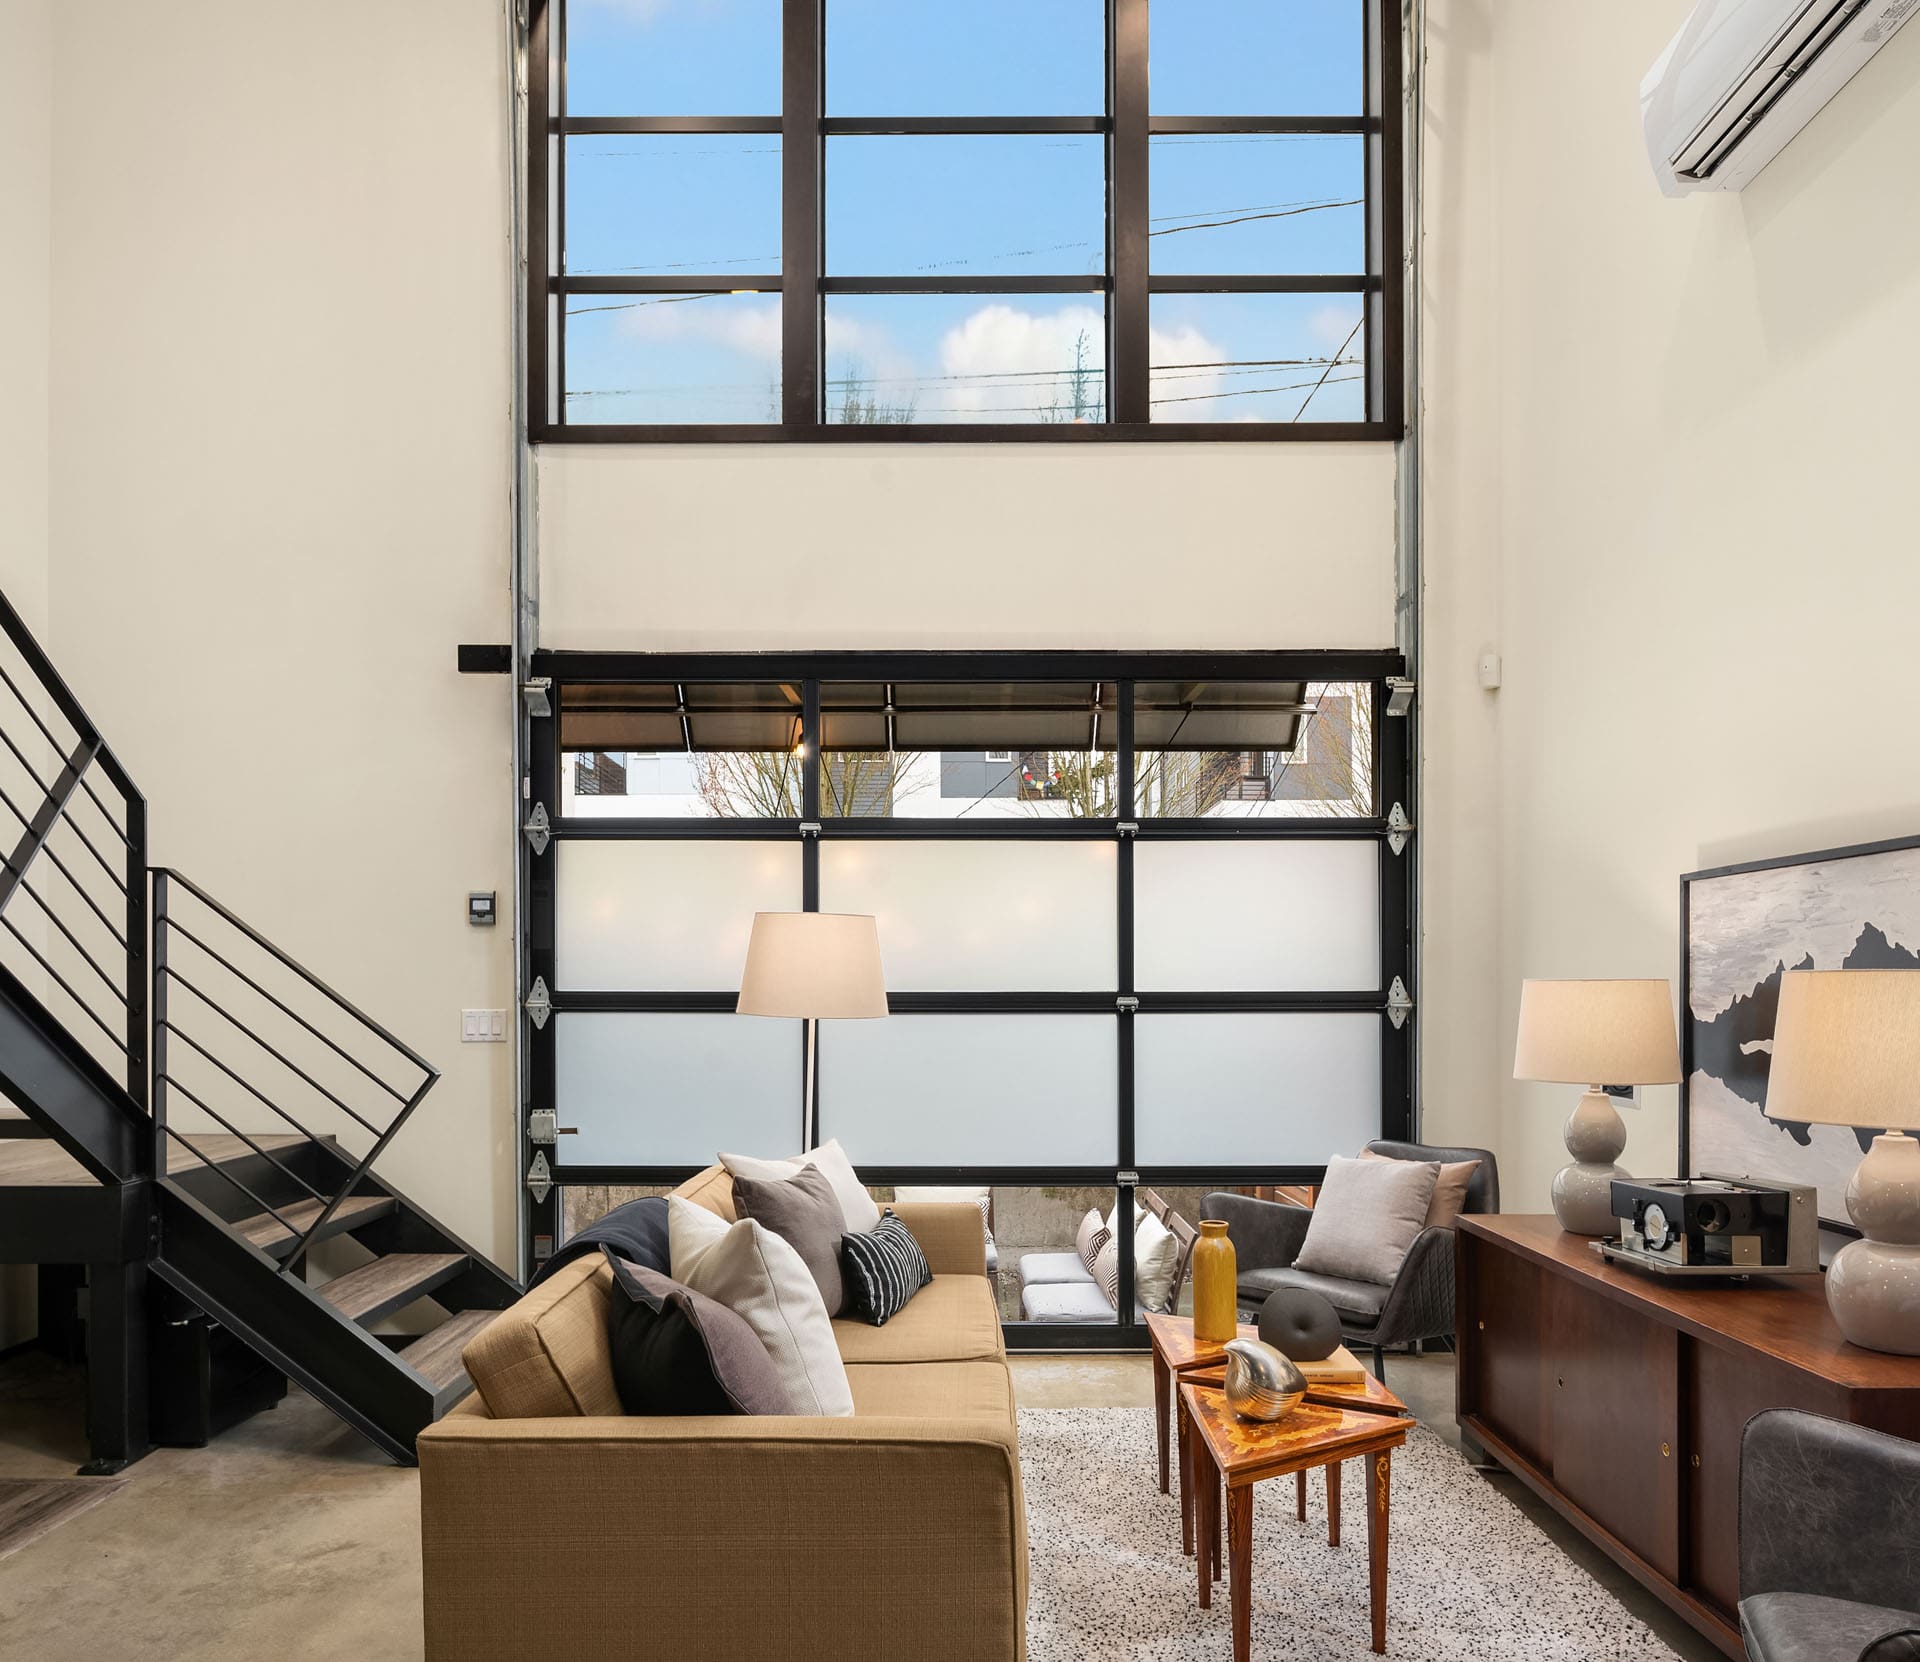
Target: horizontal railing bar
(48, 677)
(178, 927)
(53, 803)
(87, 750)
(359, 1171)
(73, 825)
(213, 1165)
(33, 714)
(303, 972)
(119, 1041)
(173, 974)
(61, 866)
(251, 1090)
(265, 1154)
(72, 939)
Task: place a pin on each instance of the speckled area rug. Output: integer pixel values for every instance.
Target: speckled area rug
(1469, 1576)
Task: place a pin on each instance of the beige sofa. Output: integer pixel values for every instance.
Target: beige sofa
(552, 1525)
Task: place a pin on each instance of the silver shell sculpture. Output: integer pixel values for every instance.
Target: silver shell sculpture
(1261, 1383)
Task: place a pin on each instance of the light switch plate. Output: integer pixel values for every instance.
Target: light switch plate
(483, 1027)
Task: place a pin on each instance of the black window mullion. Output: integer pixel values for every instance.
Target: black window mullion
(555, 254)
(1127, 313)
(801, 207)
(1123, 980)
(1393, 748)
(1386, 229)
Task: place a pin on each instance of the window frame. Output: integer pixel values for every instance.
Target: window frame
(1392, 741)
(1127, 287)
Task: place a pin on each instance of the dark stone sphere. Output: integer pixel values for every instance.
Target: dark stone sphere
(1301, 1325)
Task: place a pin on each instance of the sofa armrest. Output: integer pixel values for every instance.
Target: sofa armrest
(1828, 1508)
(1266, 1234)
(950, 1233)
(686, 1537)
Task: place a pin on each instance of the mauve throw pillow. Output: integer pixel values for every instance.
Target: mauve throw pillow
(805, 1213)
(1449, 1192)
(677, 1352)
(1365, 1218)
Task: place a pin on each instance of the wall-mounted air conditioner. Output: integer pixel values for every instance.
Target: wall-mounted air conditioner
(1743, 76)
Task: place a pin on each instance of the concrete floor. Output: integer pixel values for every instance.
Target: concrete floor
(291, 1538)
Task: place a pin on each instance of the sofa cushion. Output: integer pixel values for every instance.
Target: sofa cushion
(805, 1213)
(980, 1390)
(549, 1356)
(677, 1352)
(1040, 1269)
(953, 1319)
(1065, 1301)
(755, 1274)
(1805, 1627)
(1358, 1302)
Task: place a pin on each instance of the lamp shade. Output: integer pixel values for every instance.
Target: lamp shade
(1846, 1049)
(812, 964)
(1597, 1033)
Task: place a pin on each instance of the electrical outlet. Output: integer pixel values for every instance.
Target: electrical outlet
(483, 1027)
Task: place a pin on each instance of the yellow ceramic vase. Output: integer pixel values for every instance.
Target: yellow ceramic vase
(1215, 1302)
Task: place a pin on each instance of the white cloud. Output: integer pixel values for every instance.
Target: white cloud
(748, 327)
(1174, 350)
(1025, 353)
(1331, 325)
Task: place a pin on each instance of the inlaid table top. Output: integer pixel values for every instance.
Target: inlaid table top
(1174, 1344)
(1313, 1434)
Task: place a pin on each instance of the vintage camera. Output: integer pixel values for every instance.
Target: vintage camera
(1715, 1225)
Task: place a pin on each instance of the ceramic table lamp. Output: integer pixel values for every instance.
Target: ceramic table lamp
(1846, 1051)
(807, 965)
(1595, 1033)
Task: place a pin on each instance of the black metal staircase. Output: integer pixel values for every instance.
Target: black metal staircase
(147, 1080)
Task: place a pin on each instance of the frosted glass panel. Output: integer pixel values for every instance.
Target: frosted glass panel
(666, 916)
(971, 1089)
(1257, 917)
(1239, 1090)
(981, 917)
(666, 1090)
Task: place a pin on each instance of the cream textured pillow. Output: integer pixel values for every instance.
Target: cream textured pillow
(856, 1205)
(759, 1277)
(1156, 1255)
(1449, 1193)
(1366, 1217)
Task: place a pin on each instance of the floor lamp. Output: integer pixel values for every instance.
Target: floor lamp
(810, 965)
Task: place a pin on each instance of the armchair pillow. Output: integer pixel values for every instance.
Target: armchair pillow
(805, 1213)
(755, 1274)
(1366, 1217)
(1449, 1193)
(856, 1205)
(676, 1351)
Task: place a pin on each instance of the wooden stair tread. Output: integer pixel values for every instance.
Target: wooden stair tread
(436, 1355)
(390, 1282)
(266, 1231)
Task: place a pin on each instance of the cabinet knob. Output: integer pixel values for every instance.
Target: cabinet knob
(1561, 1383)
(1664, 1451)
(1696, 1462)
(1481, 1325)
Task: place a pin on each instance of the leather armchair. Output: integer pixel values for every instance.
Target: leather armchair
(1266, 1236)
(1829, 1541)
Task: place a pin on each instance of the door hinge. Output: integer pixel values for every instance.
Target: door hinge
(539, 1002)
(1127, 1179)
(538, 695)
(1126, 1004)
(1400, 693)
(1399, 1003)
(809, 828)
(1128, 828)
(1399, 829)
(539, 1177)
(538, 829)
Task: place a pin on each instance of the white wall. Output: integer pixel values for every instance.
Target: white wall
(280, 442)
(1141, 545)
(26, 123)
(1670, 463)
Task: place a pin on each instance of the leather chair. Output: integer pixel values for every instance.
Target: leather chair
(1829, 1541)
(1267, 1234)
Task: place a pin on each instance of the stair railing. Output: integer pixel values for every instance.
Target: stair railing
(210, 1003)
(106, 982)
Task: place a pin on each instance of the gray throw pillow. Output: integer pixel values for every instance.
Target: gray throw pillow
(1366, 1217)
(805, 1213)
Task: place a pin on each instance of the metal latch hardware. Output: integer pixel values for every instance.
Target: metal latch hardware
(1127, 1179)
(537, 694)
(543, 1126)
(1128, 828)
(809, 828)
(1126, 1004)
(1399, 695)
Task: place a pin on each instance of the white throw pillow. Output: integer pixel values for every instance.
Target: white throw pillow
(763, 1280)
(856, 1205)
(1090, 1239)
(1366, 1217)
(1156, 1255)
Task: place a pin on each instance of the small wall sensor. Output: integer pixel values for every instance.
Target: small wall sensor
(480, 911)
(1490, 671)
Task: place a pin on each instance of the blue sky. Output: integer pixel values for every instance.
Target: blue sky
(709, 205)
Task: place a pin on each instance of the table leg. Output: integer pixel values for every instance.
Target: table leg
(1216, 1513)
(1200, 1470)
(1186, 1442)
(1161, 1391)
(1333, 1504)
(1240, 1569)
(1380, 1473)
(1300, 1496)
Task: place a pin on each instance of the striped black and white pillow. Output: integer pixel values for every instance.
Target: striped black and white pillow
(882, 1269)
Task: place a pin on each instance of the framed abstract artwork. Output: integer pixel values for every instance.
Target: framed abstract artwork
(1742, 928)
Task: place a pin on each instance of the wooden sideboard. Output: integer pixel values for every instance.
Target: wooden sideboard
(1619, 1398)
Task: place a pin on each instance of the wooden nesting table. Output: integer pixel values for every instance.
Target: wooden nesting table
(1221, 1450)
